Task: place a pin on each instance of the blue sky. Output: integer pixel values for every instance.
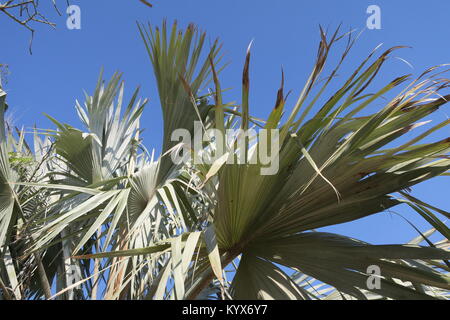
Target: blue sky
(285, 33)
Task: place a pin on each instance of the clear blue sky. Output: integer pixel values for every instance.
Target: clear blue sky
(66, 62)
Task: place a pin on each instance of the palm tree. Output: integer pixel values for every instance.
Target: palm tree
(91, 214)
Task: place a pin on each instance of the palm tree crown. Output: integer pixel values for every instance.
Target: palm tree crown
(89, 213)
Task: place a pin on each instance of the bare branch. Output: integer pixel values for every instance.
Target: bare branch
(26, 13)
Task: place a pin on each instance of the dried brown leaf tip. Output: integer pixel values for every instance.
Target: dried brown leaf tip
(245, 74)
(216, 79)
(191, 28)
(147, 3)
(280, 94)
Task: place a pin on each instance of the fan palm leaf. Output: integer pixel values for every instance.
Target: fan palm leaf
(150, 228)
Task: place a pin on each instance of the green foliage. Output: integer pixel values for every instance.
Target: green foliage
(90, 210)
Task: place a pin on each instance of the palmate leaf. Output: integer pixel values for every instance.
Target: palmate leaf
(6, 193)
(98, 154)
(320, 290)
(8, 275)
(93, 163)
(333, 170)
(343, 262)
(145, 228)
(180, 73)
(260, 279)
